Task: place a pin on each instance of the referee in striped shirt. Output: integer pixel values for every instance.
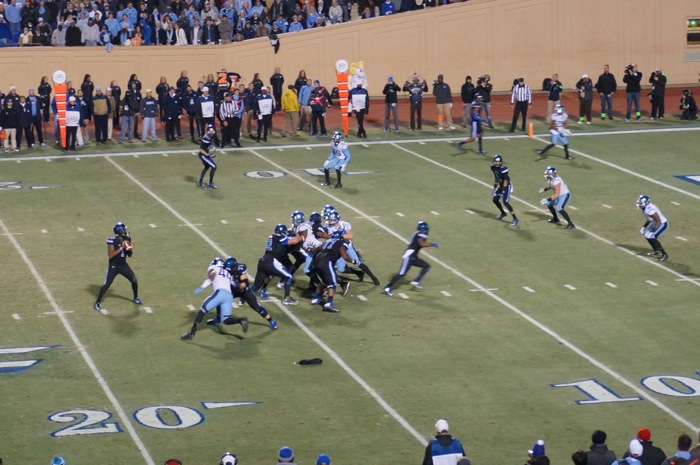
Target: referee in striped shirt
(521, 101)
(230, 125)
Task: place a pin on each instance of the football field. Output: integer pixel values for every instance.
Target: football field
(524, 332)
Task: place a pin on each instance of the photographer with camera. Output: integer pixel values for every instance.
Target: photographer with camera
(484, 88)
(658, 93)
(633, 79)
(554, 88)
(688, 106)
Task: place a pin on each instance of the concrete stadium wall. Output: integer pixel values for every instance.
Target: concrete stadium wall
(504, 38)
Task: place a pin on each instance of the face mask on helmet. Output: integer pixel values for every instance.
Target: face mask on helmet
(297, 217)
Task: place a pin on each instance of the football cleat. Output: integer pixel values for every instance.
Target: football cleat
(515, 222)
(388, 291)
(188, 336)
(459, 145)
(273, 324)
(642, 201)
(289, 301)
(213, 186)
(663, 257)
(417, 285)
(654, 252)
(553, 220)
(501, 216)
(329, 307)
(324, 183)
(361, 276)
(315, 300)
(375, 281)
(263, 294)
(338, 186)
(138, 301)
(201, 184)
(570, 226)
(280, 285)
(345, 286)
(483, 152)
(97, 306)
(244, 324)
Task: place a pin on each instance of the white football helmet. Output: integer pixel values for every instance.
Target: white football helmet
(643, 201)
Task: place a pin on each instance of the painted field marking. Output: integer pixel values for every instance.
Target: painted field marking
(569, 287)
(81, 230)
(259, 220)
(434, 213)
(136, 156)
(446, 294)
(402, 295)
(606, 206)
(490, 289)
(165, 154)
(470, 212)
(148, 309)
(280, 150)
(77, 158)
(572, 207)
(675, 203)
(400, 214)
(651, 283)
(308, 148)
(48, 160)
(362, 298)
(528, 289)
(104, 311)
(187, 225)
(365, 145)
(613, 285)
(191, 308)
(152, 225)
(421, 142)
(224, 222)
(16, 316)
(44, 231)
(681, 238)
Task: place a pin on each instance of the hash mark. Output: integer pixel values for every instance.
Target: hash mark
(362, 298)
(446, 294)
(613, 285)
(650, 282)
(528, 289)
(569, 287)
(400, 214)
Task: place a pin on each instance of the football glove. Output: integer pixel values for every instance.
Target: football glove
(642, 231)
(544, 201)
(649, 234)
(542, 189)
(197, 291)
(436, 245)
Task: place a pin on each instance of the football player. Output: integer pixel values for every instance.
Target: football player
(241, 288)
(271, 263)
(477, 131)
(221, 298)
(419, 239)
(119, 247)
(557, 201)
(206, 155)
(655, 225)
(337, 160)
(334, 223)
(324, 264)
(502, 188)
(558, 131)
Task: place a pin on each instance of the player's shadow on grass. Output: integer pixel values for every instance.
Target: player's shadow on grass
(124, 321)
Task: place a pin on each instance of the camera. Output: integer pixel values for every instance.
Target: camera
(629, 68)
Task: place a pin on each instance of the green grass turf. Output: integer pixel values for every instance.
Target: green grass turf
(475, 347)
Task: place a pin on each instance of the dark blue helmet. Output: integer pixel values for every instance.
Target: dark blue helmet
(315, 218)
(423, 226)
(230, 263)
(120, 229)
(281, 230)
(337, 234)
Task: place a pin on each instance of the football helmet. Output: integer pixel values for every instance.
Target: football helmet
(228, 459)
(315, 218)
(120, 229)
(337, 234)
(217, 262)
(643, 201)
(559, 108)
(497, 160)
(333, 218)
(297, 217)
(211, 129)
(281, 230)
(327, 210)
(423, 226)
(230, 263)
(337, 138)
(550, 172)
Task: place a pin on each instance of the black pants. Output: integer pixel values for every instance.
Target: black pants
(71, 137)
(417, 115)
(28, 133)
(518, 109)
(264, 126)
(318, 118)
(170, 128)
(37, 125)
(360, 115)
(101, 128)
(114, 270)
(193, 120)
(657, 106)
(231, 131)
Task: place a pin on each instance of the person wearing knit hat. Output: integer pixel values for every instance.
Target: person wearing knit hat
(285, 455)
(391, 92)
(651, 455)
(323, 459)
(443, 447)
(599, 454)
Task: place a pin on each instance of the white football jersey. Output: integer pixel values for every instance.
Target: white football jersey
(222, 280)
(559, 119)
(563, 189)
(339, 150)
(649, 211)
(310, 241)
(341, 225)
